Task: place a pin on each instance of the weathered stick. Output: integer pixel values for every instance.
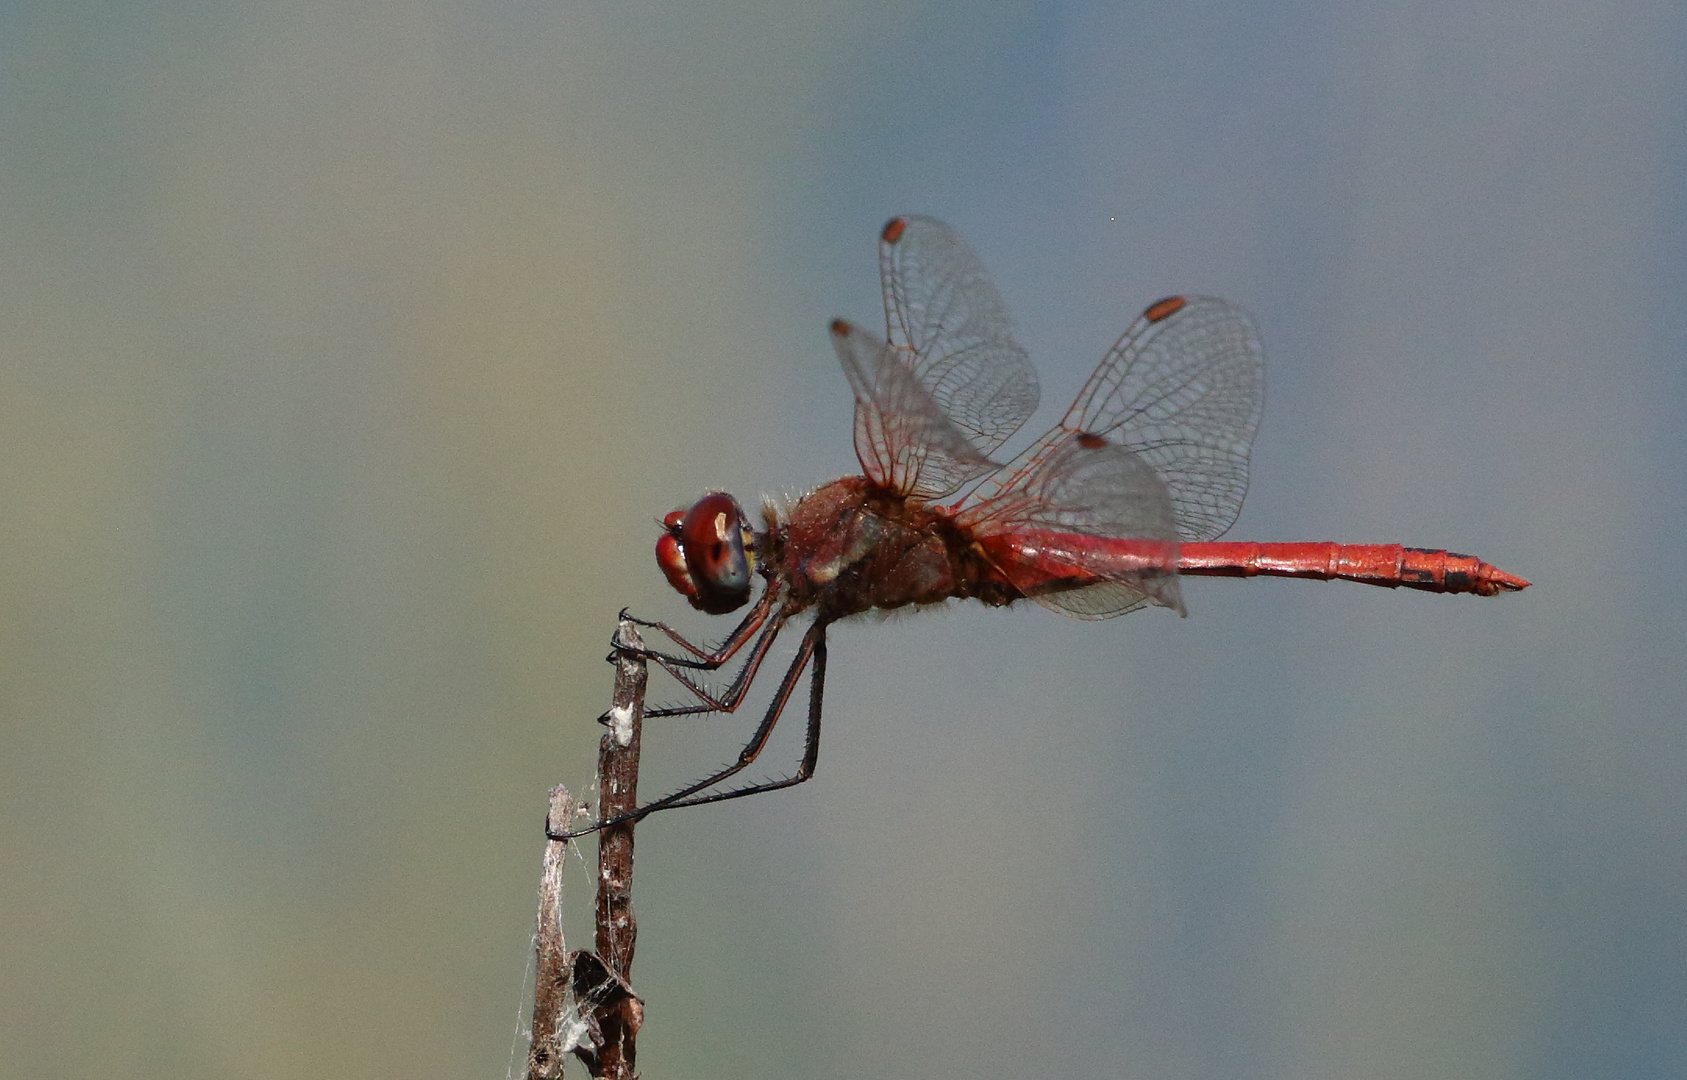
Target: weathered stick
(553, 968)
(620, 1013)
(582, 1002)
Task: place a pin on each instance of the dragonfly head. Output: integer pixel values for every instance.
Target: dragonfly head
(708, 553)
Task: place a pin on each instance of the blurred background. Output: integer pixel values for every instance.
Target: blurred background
(349, 352)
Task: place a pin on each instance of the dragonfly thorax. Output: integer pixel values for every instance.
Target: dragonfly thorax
(851, 546)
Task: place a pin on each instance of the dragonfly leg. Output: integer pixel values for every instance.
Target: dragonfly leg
(813, 648)
(700, 658)
(733, 696)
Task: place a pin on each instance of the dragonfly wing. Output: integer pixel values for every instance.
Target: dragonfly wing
(1089, 531)
(904, 439)
(1183, 389)
(946, 317)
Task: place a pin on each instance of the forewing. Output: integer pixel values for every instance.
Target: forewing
(943, 312)
(1089, 531)
(1183, 389)
(904, 439)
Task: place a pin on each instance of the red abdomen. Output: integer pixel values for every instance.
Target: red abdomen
(1388, 565)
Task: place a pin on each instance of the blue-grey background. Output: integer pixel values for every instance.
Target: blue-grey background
(348, 352)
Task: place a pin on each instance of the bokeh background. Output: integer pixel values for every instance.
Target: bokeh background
(348, 352)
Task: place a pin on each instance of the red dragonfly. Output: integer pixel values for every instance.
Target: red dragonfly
(1100, 516)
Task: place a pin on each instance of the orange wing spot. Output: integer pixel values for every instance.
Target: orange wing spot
(840, 328)
(1164, 309)
(1091, 441)
(893, 230)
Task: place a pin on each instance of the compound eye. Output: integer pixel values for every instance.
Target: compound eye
(714, 538)
(672, 561)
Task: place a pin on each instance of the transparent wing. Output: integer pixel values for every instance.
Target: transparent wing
(1182, 389)
(948, 323)
(903, 437)
(1089, 530)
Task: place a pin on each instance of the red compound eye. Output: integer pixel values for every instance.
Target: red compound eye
(706, 554)
(672, 561)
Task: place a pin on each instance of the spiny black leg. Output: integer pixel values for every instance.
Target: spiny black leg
(813, 647)
(704, 659)
(733, 696)
(816, 693)
(811, 739)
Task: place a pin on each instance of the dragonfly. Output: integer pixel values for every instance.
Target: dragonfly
(1102, 515)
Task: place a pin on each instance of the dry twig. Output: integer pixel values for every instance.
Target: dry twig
(582, 1002)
